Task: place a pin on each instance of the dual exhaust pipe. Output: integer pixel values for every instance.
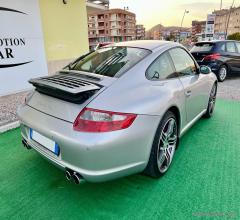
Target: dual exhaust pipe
(72, 175)
(25, 144)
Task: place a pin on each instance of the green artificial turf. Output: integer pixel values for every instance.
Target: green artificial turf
(203, 182)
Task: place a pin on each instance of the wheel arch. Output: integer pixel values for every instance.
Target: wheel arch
(227, 65)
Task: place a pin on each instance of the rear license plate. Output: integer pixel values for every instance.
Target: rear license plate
(45, 142)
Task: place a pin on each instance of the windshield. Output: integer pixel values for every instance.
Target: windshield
(110, 61)
(202, 47)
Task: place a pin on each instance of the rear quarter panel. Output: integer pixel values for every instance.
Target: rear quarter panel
(134, 93)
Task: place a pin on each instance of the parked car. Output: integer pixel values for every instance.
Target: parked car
(102, 44)
(223, 57)
(119, 110)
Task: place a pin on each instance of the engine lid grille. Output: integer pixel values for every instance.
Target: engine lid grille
(65, 82)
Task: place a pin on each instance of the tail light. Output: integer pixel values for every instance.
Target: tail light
(211, 57)
(92, 120)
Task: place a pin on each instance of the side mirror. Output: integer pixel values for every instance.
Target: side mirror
(205, 70)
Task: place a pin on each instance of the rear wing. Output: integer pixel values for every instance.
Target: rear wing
(68, 87)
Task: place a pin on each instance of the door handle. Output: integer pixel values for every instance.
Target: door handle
(188, 93)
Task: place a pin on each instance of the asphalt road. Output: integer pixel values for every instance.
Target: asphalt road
(229, 89)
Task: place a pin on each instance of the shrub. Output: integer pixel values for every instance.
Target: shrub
(235, 36)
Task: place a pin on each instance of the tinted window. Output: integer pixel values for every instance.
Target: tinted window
(110, 61)
(202, 47)
(222, 47)
(230, 47)
(161, 68)
(238, 46)
(183, 62)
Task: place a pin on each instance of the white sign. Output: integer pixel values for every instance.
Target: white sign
(22, 54)
(210, 24)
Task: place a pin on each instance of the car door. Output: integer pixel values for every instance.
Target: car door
(238, 57)
(194, 84)
(167, 85)
(232, 55)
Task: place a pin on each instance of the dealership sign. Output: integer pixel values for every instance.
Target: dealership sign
(22, 54)
(210, 25)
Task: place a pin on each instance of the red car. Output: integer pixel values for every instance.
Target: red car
(102, 44)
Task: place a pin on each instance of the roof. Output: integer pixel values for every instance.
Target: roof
(215, 41)
(146, 44)
(112, 11)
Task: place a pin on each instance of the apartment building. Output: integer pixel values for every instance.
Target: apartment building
(113, 25)
(227, 21)
(140, 32)
(198, 28)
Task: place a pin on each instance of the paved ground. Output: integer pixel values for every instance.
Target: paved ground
(8, 107)
(202, 183)
(230, 89)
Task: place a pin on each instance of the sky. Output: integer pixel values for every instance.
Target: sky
(170, 12)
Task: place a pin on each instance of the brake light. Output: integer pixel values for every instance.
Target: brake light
(93, 120)
(211, 57)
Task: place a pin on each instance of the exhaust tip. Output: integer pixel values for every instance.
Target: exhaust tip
(25, 144)
(77, 178)
(68, 175)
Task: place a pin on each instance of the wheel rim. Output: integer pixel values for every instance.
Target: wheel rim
(222, 73)
(167, 145)
(212, 99)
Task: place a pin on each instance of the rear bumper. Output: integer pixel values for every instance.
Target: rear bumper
(96, 156)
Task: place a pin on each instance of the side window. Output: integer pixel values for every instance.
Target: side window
(184, 64)
(238, 46)
(222, 47)
(161, 68)
(230, 46)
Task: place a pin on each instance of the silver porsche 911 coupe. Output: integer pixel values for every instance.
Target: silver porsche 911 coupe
(117, 111)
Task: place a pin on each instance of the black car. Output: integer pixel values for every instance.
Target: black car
(223, 57)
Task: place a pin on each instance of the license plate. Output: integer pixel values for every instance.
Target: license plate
(44, 141)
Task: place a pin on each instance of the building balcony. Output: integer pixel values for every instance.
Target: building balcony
(94, 6)
(97, 35)
(101, 27)
(129, 28)
(101, 20)
(92, 28)
(92, 35)
(116, 27)
(115, 19)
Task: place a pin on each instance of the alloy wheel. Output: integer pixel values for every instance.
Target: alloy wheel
(167, 145)
(222, 73)
(212, 99)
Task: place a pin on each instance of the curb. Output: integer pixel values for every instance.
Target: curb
(9, 126)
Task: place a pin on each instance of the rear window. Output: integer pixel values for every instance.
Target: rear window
(202, 47)
(110, 61)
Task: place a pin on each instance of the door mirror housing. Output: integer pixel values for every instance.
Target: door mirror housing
(205, 70)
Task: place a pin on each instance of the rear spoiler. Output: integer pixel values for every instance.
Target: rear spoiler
(66, 87)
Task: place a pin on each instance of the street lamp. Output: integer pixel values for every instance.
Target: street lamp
(228, 18)
(185, 12)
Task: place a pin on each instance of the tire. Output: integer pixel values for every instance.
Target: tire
(211, 101)
(164, 146)
(222, 73)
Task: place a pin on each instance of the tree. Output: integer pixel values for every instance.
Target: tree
(235, 36)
